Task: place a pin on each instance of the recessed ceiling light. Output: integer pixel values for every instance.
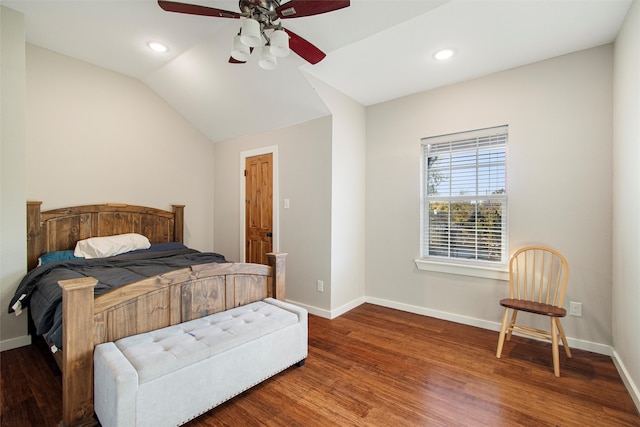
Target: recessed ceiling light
(444, 54)
(158, 47)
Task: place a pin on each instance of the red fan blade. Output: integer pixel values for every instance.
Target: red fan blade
(298, 8)
(194, 9)
(304, 49)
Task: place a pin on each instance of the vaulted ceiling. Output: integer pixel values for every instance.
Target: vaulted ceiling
(377, 50)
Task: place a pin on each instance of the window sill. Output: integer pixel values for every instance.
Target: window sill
(464, 270)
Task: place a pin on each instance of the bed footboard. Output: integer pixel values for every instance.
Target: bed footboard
(77, 359)
(152, 303)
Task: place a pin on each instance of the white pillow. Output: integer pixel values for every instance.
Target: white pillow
(102, 247)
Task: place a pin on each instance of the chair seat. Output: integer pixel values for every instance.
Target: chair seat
(534, 307)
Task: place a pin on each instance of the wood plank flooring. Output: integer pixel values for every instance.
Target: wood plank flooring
(376, 366)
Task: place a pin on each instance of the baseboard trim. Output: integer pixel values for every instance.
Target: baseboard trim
(17, 342)
(312, 309)
(347, 307)
(632, 388)
(330, 314)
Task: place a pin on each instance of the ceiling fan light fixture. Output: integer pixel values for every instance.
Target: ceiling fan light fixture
(268, 61)
(280, 43)
(250, 33)
(239, 50)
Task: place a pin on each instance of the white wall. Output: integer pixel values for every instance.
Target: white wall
(559, 114)
(13, 246)
(348, 166)
(626, 201)
(304, 157)
(96, 136)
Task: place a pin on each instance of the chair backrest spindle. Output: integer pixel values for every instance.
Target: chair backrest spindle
(538, 274)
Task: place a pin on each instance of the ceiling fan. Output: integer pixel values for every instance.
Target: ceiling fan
(261, 29)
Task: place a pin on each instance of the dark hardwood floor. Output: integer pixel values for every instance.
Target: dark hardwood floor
(376, 366)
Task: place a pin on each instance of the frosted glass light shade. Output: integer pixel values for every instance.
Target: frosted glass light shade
(250, 34)
(280, 43)
(268, 61)
(239, 50)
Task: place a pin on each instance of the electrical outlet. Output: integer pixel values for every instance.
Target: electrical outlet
(575, 308)
(320, 286)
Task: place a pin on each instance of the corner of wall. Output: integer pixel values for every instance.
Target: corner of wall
(13, 251)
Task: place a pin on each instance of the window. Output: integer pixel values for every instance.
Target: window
(464, 198)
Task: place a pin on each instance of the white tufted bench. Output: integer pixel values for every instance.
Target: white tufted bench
(170, 376)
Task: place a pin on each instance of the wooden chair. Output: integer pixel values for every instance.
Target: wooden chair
(537, 282)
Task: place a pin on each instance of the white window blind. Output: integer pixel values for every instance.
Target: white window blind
(464, 187)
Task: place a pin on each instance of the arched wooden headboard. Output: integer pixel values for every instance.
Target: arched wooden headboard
(60, 229)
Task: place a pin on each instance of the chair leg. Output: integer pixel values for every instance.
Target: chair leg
(513, 322)
(564, 339)
(554, 347)
(503, 329)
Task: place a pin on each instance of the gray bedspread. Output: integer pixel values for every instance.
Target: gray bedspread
(43, 295)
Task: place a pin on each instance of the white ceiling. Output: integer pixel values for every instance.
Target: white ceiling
(377, 50)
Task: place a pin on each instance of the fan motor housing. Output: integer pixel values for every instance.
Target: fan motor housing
(267, 7)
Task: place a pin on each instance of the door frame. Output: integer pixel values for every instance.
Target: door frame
(273, 150)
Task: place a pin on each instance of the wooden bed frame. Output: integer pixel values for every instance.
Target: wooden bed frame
(149, 304)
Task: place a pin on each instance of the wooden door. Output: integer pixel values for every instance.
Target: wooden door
(258, 208)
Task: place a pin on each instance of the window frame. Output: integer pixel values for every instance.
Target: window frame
(457, 265)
